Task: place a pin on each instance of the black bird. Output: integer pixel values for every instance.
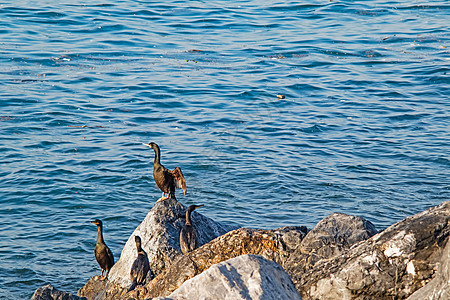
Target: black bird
(140, 266)
(165, 179)
(103, 254)
(188, 236)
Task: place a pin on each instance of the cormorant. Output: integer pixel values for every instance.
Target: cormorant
(103, 254)
(140, 266)
(165, 179)
(188, 237)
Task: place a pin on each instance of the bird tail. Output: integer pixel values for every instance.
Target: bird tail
(133, 286)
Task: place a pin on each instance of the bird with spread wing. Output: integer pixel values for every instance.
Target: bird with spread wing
(166, 180)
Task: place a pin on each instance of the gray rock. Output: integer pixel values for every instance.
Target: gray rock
(242, 278)
(49, 292)
(439, 287)
(290, 237)
(160, 234)
(331, 237)
(273, 245)
(336, 233)
(335, 260)
(392, 264)
(284, 246)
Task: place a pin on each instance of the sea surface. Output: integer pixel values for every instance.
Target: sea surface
(362, 129)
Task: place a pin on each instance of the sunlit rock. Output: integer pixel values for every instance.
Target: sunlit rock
(391, 264)
(244, 277)
(341, 258)
(159, 232)
(269, 244)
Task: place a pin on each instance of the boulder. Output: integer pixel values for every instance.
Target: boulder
(336, 233)
(331, 237)
(98, 288)
(49, 292)
(284, 246)
(391, 264)
(267, 243)
(244, 277)
(160, 235)
(341, 258)
(439, 287)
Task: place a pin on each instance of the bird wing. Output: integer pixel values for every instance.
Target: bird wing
(194, 241)
(140, 268)
(110, 255)
(184, 241)
(134, 269)
(178, 178)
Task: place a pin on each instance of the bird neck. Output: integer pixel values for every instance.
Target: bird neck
(157, 156)
(139, 248)
(188, 217)
(99, 235)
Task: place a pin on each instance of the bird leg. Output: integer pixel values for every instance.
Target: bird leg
(162, 198)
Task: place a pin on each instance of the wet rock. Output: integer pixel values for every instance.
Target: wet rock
(242, 278)
(392, 264)
(159, 232)
(49, 292)
(271, 244)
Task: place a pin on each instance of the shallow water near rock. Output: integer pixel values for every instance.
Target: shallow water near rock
(363, 128)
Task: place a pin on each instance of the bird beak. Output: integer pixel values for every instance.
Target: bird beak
(199, 206)
(92, 222)
(146, 144)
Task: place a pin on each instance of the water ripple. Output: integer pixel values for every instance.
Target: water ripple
(363, 127)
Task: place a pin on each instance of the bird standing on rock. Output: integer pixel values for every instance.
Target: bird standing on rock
(188, 236)
(140, 266)
(165, 179)
(103, 254)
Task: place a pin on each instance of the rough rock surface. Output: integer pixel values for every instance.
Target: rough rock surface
(244, 277)
(270, 244)
(48, 292)
(331, 237)
(439, 287)
(95, 288)
(336, 233)
(284, 246)
(160, 234)
(390, 265)
(333, 261)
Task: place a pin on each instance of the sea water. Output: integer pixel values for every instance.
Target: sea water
(361, 125)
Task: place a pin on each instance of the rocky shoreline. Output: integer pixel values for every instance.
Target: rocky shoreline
(342, 257)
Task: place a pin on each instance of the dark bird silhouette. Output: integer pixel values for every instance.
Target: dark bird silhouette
(165, 179)
(103, 254)
(140, 266)
(188, 236)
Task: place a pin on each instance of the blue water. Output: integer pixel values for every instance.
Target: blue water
(363, 128)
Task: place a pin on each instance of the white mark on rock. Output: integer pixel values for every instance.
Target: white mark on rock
(410, 268)
(392, 251)
(400, 244)
(371, 259)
